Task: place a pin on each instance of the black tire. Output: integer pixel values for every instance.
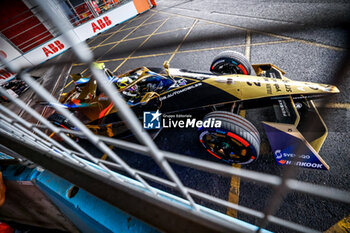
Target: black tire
(231, 62)
(237, 141)
(60, 120)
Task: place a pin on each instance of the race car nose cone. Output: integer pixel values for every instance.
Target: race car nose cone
(329, 89)
(324, 88)
(333, 89)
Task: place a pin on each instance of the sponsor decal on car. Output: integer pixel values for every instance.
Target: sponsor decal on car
(282, 161)
(291, 149)
(174, 93)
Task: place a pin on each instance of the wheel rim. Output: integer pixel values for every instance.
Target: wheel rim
(227, 146)
(228, 67)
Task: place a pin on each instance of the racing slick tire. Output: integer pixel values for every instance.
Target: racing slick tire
(237, 141)
(231, 62)
(60, 120)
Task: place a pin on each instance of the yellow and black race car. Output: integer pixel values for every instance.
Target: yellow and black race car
(233, 85)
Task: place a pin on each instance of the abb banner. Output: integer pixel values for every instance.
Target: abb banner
(101, 24)
(47, 50)
(58, 45)
(87, 30)
(53, 48)
(106, 21)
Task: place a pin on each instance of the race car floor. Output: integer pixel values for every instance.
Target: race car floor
(189, 34)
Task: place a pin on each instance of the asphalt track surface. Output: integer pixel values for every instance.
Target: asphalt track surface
(286, 33)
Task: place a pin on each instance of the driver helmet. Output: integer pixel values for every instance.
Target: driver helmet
(123, 82)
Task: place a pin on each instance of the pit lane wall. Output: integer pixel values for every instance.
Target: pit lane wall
(58, 44)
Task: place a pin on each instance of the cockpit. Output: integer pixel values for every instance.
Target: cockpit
(138, 86)
(142, 84)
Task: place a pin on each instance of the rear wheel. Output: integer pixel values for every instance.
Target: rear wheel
(231, 62)
(236, 141)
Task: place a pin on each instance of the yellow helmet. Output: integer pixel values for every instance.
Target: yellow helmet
(123, 82)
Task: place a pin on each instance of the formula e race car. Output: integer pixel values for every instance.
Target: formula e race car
(233, 85)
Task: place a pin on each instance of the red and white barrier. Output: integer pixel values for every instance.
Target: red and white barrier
(58, 45)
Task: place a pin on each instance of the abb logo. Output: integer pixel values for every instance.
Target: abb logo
(101, 23)
(53, 48)
(4, 74)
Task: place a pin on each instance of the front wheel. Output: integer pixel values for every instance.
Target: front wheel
(231, 62)
(236, 141)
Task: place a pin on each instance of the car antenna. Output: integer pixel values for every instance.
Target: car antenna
(166, 67)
